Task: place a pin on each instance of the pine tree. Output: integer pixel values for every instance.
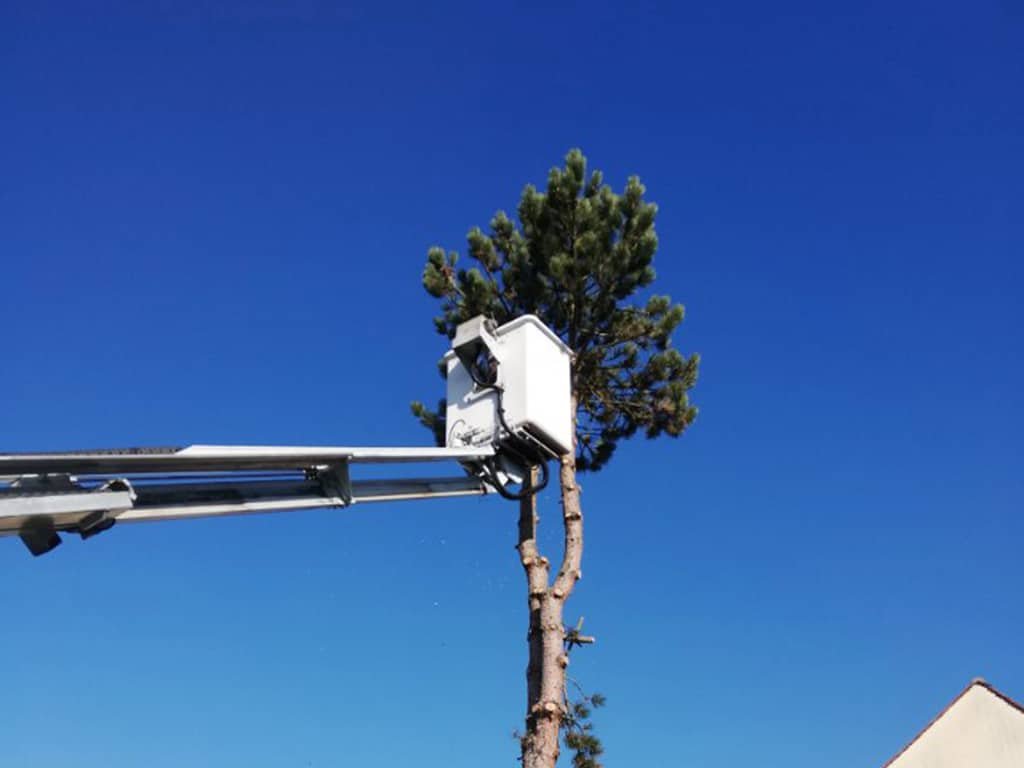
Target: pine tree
(577, 259)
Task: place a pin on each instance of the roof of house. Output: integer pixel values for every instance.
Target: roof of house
(976, 683)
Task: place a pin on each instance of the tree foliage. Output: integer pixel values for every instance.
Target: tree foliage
(578, 731)
(578, 258)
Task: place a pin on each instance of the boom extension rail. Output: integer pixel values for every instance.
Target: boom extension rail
(43, 495)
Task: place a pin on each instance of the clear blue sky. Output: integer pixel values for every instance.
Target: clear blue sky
(212, 224)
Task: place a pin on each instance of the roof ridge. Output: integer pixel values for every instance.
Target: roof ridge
(980, 681)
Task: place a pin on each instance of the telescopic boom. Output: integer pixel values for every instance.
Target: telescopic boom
(508, 409)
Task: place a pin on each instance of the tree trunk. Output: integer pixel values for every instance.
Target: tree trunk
(545, 672)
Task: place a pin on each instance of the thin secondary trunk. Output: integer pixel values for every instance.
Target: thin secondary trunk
(545, 672)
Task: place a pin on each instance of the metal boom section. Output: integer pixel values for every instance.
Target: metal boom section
(86, 492)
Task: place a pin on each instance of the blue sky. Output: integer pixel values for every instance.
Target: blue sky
(212, 222)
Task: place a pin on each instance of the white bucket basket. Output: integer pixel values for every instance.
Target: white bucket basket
(521, 368)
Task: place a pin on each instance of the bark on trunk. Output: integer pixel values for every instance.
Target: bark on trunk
(545, 672)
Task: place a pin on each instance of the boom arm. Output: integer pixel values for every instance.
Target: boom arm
(87, 492)
(508, 408)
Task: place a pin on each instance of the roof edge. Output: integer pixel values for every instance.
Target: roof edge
(997, 693)
(977, 681)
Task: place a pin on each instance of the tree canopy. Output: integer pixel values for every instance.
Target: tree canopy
(579, 258)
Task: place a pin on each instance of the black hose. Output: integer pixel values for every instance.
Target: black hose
(489, 469)
(528, 490)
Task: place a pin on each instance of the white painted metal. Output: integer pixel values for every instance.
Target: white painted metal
(58, 503)
(326, 455)
(363, 491)
(411, 489)
(211, 481)
(66, 507)
(980, 729)
(533, 378)
(67, 510)
(206, 458)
